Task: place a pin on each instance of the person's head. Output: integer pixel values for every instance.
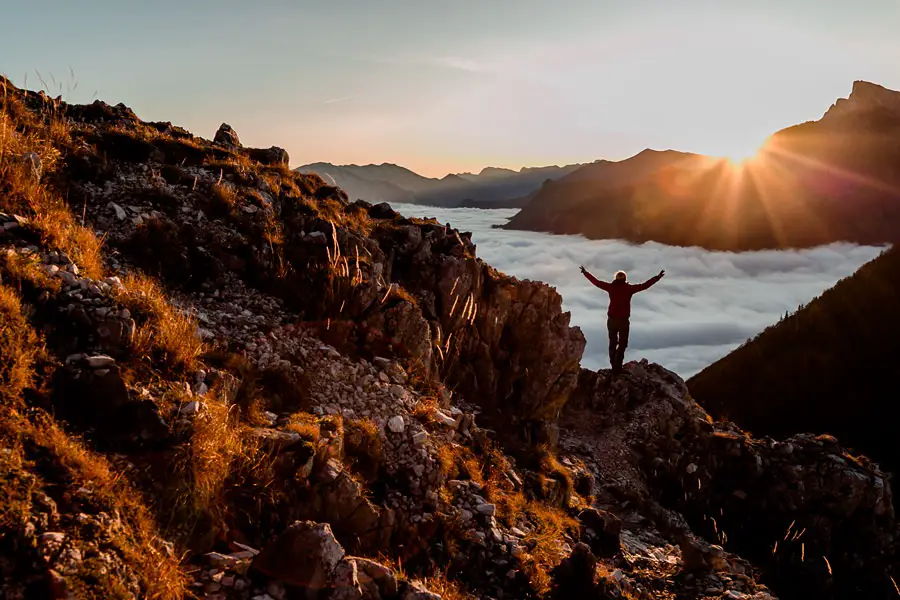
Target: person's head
(621, 276)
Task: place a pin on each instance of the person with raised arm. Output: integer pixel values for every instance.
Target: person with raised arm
(618, 316)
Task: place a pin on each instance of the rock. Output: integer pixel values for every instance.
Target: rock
(601, 531)
(100, 361)
(416, 591)
(419, 437)
(227, 136)
(382, 210)
(269, 156)
(445, 420)
(395, 424)
(305, 555)
(574, 576)
(698, 555)
(120, 212)
(486, 509)
(345, 582)
(383, 577)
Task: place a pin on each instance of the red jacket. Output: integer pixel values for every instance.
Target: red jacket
(620, 293)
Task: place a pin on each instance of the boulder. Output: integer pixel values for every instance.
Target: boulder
(227, 136)
(574, 576)
(601, 531)
(416, 591)
(382, 210)
(305, 555)
(269, 156)
(381, 575)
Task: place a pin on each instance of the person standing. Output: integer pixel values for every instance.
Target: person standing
(618, 316)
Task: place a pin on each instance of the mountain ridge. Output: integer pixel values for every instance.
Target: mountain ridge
(813, 183)
(491, 187)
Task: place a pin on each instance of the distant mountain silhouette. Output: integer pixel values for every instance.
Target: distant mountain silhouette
(491, 188)
(834, 179)
(833, 366)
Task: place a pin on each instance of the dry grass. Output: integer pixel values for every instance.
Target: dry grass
(167, 336)
(217, 459)
(39, 455)
(459, 462)
(216, 442)
(22, 191)
(446, 588)
(19, 348)
(425, 410)
(362, 444)
(306, 425)
(553, 469)
(26, 272)
(549, 529)
(160, 574)
(223, 200)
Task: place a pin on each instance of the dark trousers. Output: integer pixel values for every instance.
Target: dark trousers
(618, 340)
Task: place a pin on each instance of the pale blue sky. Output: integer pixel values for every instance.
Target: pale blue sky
(447, 86)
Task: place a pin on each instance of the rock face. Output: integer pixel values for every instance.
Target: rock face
(492, 336)
(654, 446)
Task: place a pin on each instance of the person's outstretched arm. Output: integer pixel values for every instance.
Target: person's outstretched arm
(643, 286)
(600, 284)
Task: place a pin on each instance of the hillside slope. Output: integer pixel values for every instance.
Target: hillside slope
(832, 367)
(835, 179)
(221, 379)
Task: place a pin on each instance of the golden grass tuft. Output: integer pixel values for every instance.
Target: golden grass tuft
(19, 348)
(552, 468)
(425, 409)
(549, 529)
(167, 336)
(223, 199)
(362, 444)
(446, 588)
(216, 442)
(306, 425)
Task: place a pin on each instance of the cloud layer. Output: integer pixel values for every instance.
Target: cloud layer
(707, 305)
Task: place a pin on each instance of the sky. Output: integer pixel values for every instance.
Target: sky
(455, 86)
(707, 304)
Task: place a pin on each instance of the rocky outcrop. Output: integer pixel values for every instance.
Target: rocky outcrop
(227, 136)
(818, 521)
(864, 98)
(406, 288)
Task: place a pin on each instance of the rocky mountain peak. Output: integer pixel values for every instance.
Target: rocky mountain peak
(865, 97)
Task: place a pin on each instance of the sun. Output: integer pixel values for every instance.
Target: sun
(741, 154)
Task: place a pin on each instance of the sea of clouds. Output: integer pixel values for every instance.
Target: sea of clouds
(707, 305)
